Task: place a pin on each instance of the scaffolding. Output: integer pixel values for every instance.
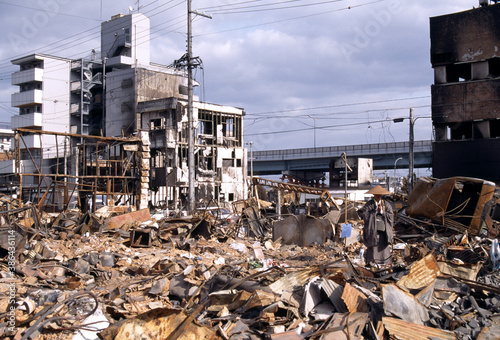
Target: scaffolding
(60, 172)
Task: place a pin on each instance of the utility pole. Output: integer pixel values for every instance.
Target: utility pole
(191, 165)
(411, 160)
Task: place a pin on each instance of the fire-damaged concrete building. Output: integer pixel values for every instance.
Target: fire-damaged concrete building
(117, 93)
(466, 92)
(220, 160)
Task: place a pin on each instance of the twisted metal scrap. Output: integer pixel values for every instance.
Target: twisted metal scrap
(35, 330)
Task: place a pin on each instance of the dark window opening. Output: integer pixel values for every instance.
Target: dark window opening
(494, 65)
(458, 72)
(461, 131)
(156, 123)
(495, 128)
(481, 129)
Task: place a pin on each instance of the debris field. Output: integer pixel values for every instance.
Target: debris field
(120, 273)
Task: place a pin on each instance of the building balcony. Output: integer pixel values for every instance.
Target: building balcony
(31, 97)
(119, 61)
(30, 142)
(27, 76)
(76, 86)
(30, 120)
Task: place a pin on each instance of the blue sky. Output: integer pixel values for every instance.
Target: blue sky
(306, 72)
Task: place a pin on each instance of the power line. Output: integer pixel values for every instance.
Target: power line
(48, 11)
(339, 105)
(235, 10)
(289, 19)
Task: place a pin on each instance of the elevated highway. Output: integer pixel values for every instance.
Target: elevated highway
(384, 155)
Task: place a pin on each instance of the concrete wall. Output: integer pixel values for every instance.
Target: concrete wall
(56, 101)
(466, 36)
(126, 87)
(131, 28)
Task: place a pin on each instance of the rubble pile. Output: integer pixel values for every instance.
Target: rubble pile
(122, 274)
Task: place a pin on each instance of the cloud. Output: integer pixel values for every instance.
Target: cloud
(290, 63)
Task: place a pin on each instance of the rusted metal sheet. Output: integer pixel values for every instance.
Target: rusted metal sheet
(345, 326)
(464, 271)
(141, 238)
(117, 222)
(487, 192)
(429, 198)
(259, 299)
(354, 299)
(422, 274)
(456, 202)
(157, 324)
(404, 330)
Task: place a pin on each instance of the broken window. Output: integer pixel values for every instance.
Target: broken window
(458, 72)
(461, 131)
(217, 128)
(481, 129)
(495, 128)
(229, 127)
(156, 123)
(494, 67)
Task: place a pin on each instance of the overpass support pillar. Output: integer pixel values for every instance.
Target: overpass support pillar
(309, 178)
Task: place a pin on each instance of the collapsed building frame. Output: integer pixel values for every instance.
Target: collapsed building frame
(76, 169)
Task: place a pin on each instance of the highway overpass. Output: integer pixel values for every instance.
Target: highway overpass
(384, 156)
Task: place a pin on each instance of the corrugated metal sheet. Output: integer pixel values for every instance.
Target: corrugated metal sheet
(422, 273)
(354, 299)
(295, 279)
(409, 331)
(334, 292)
(404, 305)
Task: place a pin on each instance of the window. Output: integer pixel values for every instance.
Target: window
(127, 35)
(156, 124)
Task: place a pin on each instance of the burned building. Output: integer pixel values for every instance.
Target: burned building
(220, 160)
(465, 93)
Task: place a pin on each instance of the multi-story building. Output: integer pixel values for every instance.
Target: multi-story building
(466, 93)
(115, 93)
(220, 160)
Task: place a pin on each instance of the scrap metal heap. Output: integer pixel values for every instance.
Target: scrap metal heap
(124, 273)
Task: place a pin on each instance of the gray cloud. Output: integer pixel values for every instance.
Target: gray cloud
(270, 61)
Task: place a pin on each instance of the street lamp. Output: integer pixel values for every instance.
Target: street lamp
(314, 120)
(410, 150)
(396, 162)
(251, 158)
